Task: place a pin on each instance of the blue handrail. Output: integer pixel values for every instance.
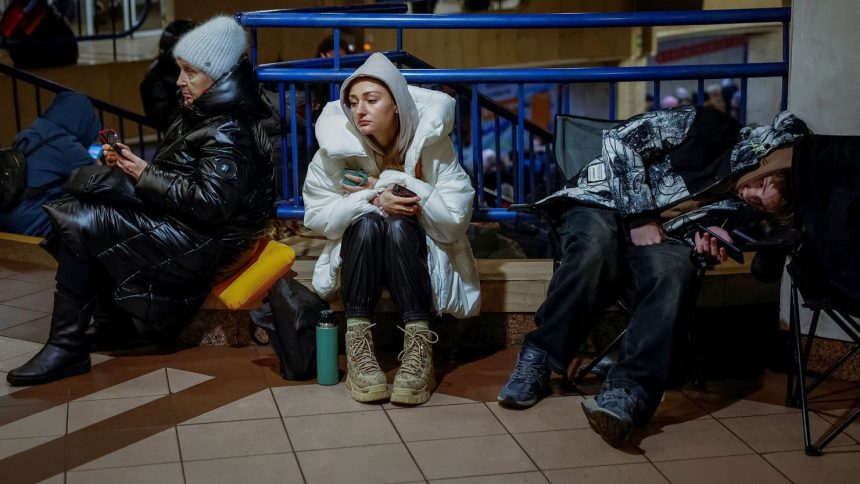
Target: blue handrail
(549, 75)
(333, 71)
(519, 21)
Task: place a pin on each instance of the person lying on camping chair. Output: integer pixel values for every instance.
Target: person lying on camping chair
(633, 213)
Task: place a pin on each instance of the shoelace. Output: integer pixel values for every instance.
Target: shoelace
(623, 398)
(615, 394)
(528, 371)
(413, 350)
(361, 351)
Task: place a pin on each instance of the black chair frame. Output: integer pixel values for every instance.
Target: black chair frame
(798, 390)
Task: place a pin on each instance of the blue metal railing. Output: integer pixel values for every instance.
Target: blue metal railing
(130, 126)
(289, 76)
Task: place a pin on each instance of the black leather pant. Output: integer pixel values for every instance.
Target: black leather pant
(391, 251)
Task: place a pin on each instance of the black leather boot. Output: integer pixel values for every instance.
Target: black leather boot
(67, 352)
(112, 328)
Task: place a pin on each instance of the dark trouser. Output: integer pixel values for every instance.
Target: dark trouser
(597, 260)
(80, 279)
(392, 251)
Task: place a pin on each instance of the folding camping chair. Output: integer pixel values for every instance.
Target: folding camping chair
(825, 267)
(578, 140)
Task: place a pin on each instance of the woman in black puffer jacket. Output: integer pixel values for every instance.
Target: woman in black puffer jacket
(196, 207)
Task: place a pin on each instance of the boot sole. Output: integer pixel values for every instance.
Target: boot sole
(372, 393)
(72, 370)
(609, 426)
(408, 396)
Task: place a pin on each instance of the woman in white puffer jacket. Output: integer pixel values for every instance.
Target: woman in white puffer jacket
(393, 134)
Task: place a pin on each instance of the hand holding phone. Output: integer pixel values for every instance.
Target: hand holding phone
(402, 191)
(734, 252)
(109, 137)
(350, 175)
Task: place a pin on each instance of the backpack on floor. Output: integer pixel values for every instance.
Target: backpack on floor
(289, 318)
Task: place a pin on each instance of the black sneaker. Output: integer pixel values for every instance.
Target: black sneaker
(528, 382)
(612, 413)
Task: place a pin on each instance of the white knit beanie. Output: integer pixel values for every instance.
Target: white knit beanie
(213, 47)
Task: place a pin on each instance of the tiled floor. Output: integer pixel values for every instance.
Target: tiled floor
(218, 414)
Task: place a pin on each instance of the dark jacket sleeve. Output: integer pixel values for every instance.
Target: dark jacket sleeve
(215, 190)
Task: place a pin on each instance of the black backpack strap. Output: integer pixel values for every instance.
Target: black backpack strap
(37, 191)
(43, 143)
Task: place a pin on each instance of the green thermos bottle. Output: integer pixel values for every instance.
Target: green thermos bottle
(327, 373)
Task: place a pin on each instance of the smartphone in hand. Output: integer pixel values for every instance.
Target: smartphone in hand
(110, 137)
(734, 252)
(401, 191)
(354, 172)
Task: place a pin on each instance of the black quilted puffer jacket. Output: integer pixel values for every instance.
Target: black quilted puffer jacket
(206, 194)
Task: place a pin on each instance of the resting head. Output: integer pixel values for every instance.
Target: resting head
(206, 53)
(374, 111)
(377, 102)
(768, 187)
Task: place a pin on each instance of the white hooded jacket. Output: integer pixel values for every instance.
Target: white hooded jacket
(426, 119)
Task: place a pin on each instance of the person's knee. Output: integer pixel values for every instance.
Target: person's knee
(670, 276)
(365, 228)
(404, 231)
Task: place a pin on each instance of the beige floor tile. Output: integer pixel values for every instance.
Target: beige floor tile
(256, 406)
(179, 380)
(96, 358)
(314, 432)
(47, 423)
(626, 473)
(82, 414)
(518, 478)
(36, 330)
(726, 407)
(160, 473)
(838, 465)
(775, 433)
(356, 465)
(42, 301)
(256, 469)
(677, 406)
(161, 448)
(5, 388)
(11, 316)
(299, 400)
(14, 446)
(560, 413)
(233, 439)
(445, 422)
(574, 448)
(12, 363)
(10, 348)
(58, 479)
(688, 440)
(719, 470)
(837, 416)
(472, 456)
(152, 383)
(435, 400)
(12, 289)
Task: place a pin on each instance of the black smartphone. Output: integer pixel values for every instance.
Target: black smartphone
(734, 252)
(402, 191)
